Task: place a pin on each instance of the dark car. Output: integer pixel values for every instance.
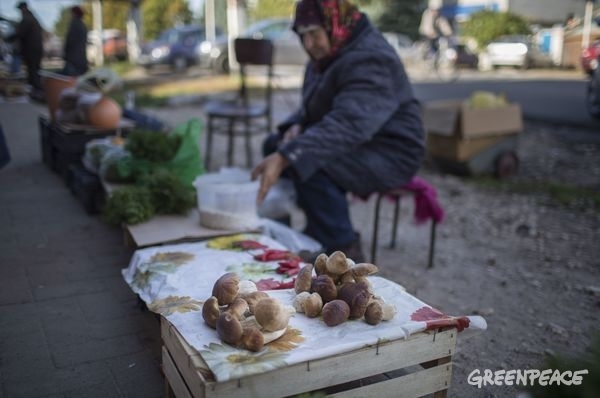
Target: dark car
(589, 57)
(288, 49)
(175, 47)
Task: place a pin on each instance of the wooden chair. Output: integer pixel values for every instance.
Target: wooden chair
(243, 115)
(426, 208)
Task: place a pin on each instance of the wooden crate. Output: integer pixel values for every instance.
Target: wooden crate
(417, 366)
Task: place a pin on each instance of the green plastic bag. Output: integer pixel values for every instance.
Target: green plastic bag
(187, 163)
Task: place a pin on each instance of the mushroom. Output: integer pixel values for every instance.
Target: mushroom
(238, 308)
(246, 287)
(253, 298)
(229, 328)
(211, 312)
(303, 279)
(366, 282)
(336, 263)
(299, 301)
(320, 264)
(389, 310)
(252, 339)
(271, 314)
(364, 269)
(325, 286)
(226, 288)
(313, 305)
(374, 313)
(357, 296)
(347, 277)
(335, 312)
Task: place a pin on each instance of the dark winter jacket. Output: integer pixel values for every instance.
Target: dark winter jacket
(29, 34)
(75, 47)
(361, 122)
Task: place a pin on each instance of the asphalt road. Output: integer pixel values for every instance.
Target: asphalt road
(549, 96)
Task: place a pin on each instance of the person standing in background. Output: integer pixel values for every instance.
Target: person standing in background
(28, 33)
(75, 45)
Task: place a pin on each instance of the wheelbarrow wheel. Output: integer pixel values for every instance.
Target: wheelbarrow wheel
(506, 165)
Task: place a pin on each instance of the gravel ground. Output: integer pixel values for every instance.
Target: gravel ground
(529, 266)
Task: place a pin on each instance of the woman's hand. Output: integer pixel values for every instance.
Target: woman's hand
(269, 170)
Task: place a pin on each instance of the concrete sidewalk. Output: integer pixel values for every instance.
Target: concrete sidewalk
(69, 324)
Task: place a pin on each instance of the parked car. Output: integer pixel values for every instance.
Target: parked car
(114, 45)
(288, 49)
(406, 49)
(175, 47)
(519, 51)
(589, 57)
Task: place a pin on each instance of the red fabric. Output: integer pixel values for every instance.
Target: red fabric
(426, 203)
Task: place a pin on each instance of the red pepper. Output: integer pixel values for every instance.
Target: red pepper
(272, 284)
(275, 255)
(248, 245)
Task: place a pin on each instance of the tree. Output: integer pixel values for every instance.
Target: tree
(485, 26)
(397, 16)
(158, 15)
(271, 9)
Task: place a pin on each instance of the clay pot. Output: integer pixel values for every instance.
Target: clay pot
(54, 84)
(105, 113)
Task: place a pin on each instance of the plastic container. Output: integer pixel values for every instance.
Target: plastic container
(227, 200)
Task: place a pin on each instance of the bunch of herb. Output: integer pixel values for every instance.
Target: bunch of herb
(152, 146)
(169, 194)
(129, 205)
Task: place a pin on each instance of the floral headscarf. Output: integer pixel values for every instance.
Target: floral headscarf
(338, 17)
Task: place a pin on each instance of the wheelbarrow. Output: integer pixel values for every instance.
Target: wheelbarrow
(493, 155)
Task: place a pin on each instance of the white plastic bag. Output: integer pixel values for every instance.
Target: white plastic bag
(295, 241)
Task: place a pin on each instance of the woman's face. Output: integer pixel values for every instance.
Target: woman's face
(316, 42)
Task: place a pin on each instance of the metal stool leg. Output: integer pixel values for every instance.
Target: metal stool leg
(248, 143)
(230, 133)
(395, 221)
(432, 244)
(375, 229)
(209, 133)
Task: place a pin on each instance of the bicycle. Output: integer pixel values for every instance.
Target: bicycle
(442, 61)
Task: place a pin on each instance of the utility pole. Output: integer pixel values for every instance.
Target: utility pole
(97, 22)
(587, 24)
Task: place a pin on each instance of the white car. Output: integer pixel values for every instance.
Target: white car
(518, 51)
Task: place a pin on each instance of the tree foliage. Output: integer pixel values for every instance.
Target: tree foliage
(271, 9)
(398, 16)
(158, 15)
(485, 26)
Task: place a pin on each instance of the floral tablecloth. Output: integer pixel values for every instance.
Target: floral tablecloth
(174, 281)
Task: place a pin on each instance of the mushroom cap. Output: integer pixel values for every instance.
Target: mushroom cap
(253, 298)
(303, 279)
(211, 311)
(325, 286)
(226, 288)
(336, 263)
(238, 308)
(252, 339)
(299, 301)
(321, 264)
(335, 312)
(271, 314)
(357, 296)
(313, 305)
(374, 313)
(364, 269)
(229, 328)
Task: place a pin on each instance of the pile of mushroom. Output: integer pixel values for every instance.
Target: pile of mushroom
(339, 290)
(243, 316)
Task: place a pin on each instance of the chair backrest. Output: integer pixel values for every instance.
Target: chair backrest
(257, 52)
(250, 51)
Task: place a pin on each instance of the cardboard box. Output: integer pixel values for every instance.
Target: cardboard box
(452, 118)
(457, 149)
